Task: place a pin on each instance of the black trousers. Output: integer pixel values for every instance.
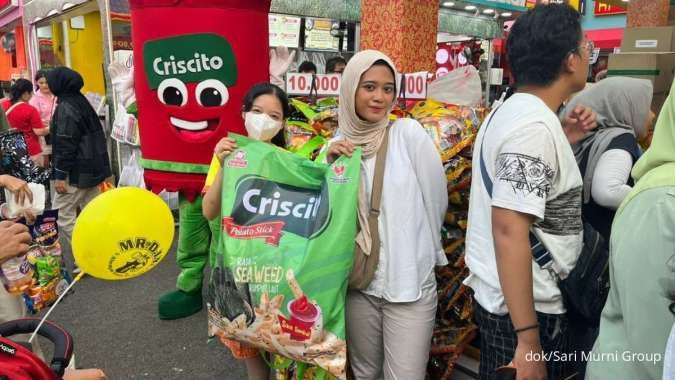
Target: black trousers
(498, 341)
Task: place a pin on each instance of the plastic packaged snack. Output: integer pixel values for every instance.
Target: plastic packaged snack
(279, 281)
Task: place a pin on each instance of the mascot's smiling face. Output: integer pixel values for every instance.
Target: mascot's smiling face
(190, 75)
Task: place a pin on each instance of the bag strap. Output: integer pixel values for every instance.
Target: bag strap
(540, 254)
(376, 194)
(487, 182)
(402, 91)
(314, 90)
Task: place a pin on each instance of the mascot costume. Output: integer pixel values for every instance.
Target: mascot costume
(190, 77)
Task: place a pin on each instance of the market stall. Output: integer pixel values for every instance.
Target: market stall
(13, 62)
(318, 30)
(471, 33)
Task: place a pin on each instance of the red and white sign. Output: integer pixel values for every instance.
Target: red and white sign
(270, 231)
(415, 85)
(602, 9)
(329, 85)
(324, 84)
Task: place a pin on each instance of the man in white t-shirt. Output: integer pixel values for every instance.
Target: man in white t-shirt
(526, 179)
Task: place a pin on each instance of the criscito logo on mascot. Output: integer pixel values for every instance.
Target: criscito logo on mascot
(191, 75)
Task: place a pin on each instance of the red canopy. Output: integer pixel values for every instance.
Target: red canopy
(606, 38)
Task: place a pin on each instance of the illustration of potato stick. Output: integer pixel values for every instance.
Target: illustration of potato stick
(295, 351)
(276, 326)
(279, 347)
(276, 302)
(264, 301)
(288, 342)
(317, 330)
(334, 361)
(265, 326)
(330, 343)
(293, 284)
(240, 322)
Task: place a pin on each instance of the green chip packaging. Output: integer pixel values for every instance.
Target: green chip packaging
(279, 279)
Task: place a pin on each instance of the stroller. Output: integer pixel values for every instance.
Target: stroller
(19, 363)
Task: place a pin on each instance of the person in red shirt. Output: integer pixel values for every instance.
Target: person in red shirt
(25, 118)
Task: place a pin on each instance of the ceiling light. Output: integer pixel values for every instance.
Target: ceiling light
(448, 4)
(507, 14)
(489, 11)
(470, 7)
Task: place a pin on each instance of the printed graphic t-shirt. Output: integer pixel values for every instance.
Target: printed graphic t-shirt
(532, 166)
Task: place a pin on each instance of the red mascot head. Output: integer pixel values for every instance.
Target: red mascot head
(195, 60)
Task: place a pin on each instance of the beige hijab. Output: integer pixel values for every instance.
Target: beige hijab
(366, 135)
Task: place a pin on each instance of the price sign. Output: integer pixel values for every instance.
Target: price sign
(414, 85)
(301, 84)
(329, 84)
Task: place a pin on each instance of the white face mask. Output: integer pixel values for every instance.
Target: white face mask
(261, 127)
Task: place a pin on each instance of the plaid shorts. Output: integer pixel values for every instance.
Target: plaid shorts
(498, 341)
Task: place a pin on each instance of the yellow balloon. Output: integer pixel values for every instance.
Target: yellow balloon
(122, 234)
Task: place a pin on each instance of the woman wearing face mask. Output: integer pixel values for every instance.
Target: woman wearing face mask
(390, 322)
(45, 102)
(264, 112)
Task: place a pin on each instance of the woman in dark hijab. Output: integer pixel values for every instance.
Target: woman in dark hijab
(80, 155)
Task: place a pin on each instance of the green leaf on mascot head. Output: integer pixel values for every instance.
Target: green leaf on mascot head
(190, 58)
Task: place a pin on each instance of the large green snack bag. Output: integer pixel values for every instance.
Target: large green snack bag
(279, 281)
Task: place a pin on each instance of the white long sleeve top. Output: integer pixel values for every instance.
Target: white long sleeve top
(413, 207)
(610, 177)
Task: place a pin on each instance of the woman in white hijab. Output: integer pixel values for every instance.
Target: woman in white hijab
(390, 320)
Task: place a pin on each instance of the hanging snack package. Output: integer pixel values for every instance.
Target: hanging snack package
(45, 231)
(50, 278)
(279, 280)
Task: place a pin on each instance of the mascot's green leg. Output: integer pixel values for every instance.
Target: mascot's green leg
(194, 241)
